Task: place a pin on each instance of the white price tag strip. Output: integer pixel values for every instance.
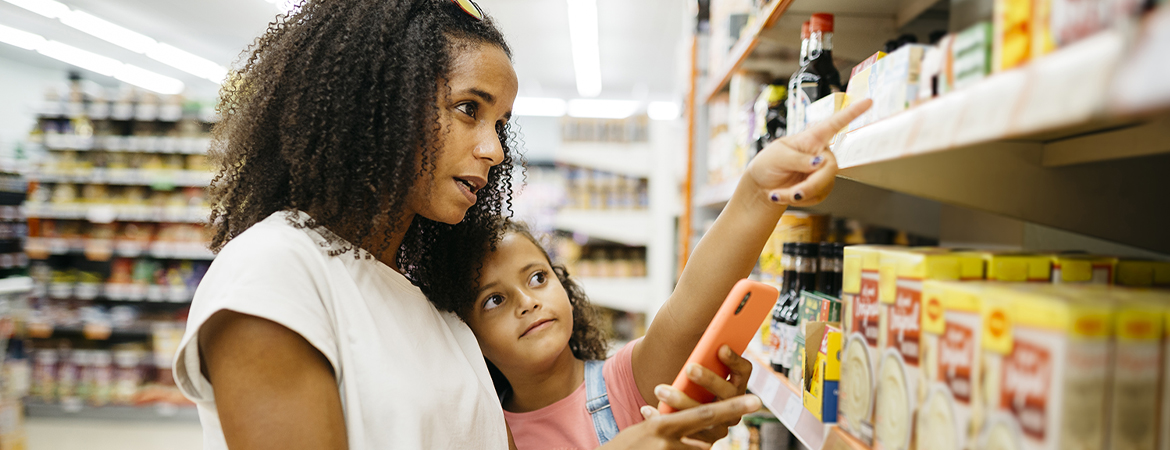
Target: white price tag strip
(771, 387)
(988, 112)
(791, 413)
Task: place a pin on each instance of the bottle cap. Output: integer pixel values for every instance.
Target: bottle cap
(804, 33)
(806, 249)
(789, 248)
(821, 23)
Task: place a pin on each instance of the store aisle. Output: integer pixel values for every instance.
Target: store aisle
(74, 434)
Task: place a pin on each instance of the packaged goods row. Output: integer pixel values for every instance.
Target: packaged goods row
(940, 348)
(610, 261)
(119, 164)
(93, 374)
(101, 241)
(634, 129)
(1007, 34)
(82, 99)
(123, 279)
(595, 189)
(65, 198)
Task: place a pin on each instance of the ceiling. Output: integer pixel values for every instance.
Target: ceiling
(641, 42)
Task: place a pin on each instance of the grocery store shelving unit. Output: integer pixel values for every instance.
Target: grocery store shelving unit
(1077, 140)
(634, 227)
(161, 412)
(785, 400)
(1019, 144)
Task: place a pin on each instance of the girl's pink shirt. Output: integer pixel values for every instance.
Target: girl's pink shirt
(566, 424)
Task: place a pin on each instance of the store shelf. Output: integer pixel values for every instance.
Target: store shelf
(90, 331)
(784, 399)
(136, 144)
(38, 247)
(132, 177)
(716, 195)
(1019, 145)
(625, 294)
(106, 213)
(772, 43)
(159, 412)
(15, 285)
(629, 227)
(624, 159)
(749, 39)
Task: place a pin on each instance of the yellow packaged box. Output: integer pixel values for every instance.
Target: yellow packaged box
(1083, 269)
(1142, 273)
(821, 379)
(1136, 373)
(951, 331)
(859, 300)
(901, 274)
(1046, 359)
(1013, 266)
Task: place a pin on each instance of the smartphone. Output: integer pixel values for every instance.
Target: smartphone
(746, 307)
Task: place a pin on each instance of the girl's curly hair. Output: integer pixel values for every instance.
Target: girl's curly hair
(335, 112)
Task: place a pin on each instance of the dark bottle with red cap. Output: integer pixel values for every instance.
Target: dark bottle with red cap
(819, 77)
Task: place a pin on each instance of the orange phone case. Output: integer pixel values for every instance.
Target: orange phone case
(746, 307)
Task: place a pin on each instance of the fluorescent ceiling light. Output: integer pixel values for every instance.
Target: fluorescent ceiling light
(22, 39)
(586, 55)
(602, 109)
(47, 8)
(662, 110)
(536, 106)
(108, 32)
(126, 38)
(91, 61)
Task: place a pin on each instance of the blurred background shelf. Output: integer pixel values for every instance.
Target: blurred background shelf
(629, 227)
(623, 294)
(161, 412)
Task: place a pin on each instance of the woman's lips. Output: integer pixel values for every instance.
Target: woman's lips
(470, 196)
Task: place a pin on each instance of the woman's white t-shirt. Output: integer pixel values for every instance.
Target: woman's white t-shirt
(409, 375)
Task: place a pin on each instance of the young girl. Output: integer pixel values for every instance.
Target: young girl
(536, 328)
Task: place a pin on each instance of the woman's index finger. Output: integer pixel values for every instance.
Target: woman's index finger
(818, 136)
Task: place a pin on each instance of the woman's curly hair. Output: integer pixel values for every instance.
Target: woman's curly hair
(335, 112)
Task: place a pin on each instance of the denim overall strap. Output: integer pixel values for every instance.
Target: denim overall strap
(597, 402)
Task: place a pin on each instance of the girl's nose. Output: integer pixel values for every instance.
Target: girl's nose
(528, 304)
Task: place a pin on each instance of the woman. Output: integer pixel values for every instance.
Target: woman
(358, 135)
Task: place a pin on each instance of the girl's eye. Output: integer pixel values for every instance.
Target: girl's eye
(468, 108)
(536, 279)
(492, 302)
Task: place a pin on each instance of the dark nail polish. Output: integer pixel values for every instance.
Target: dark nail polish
(817, 161)
(775, 198)
(797, 196)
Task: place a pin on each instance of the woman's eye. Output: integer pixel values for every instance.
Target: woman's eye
(492, 302)
(536, 279)
(467, 108)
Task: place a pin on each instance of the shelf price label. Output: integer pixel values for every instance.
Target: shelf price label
(791, 413)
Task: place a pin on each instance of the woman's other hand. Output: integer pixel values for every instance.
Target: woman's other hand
(799, 170)
(734, 386)
(670, 431)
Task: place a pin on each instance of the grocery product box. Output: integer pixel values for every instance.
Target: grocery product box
(822, 376)
(814, 307)
(1142, 273)
(858, 89)
(951, 332)
(821, 110)
(971, 56)
(1083, 269)
(901, 274)
(1012, 44)
(1014, 266)
(1137, 371)
(859, 298)
(893, 81)
(1046, 359)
